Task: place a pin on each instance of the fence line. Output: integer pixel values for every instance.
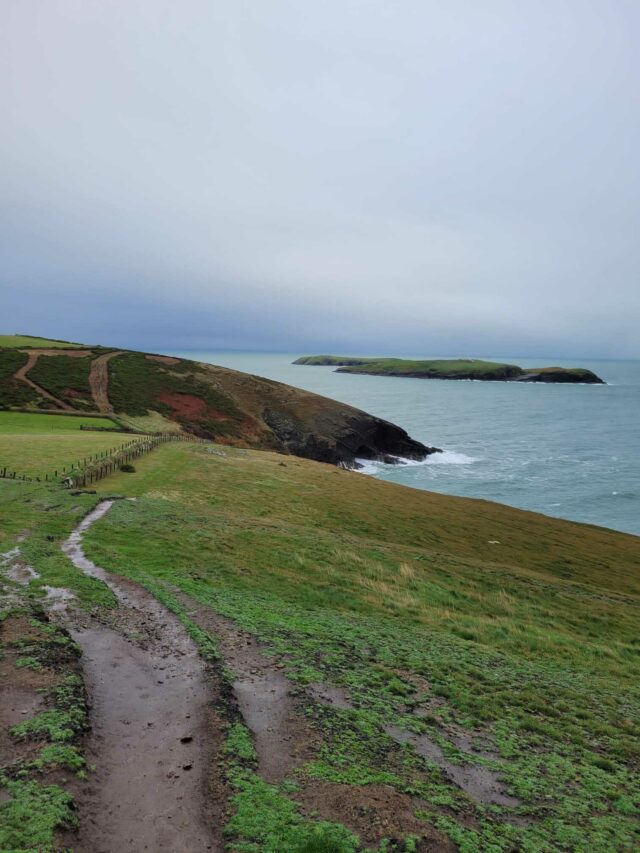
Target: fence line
(97, 466)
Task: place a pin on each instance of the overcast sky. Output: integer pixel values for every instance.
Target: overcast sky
(447, 177)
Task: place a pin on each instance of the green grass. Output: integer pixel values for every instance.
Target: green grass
(35, 454)
(438, 368)
(29, 819)
(16, 423)
(399, 597)
(30, 342)
(39, 444)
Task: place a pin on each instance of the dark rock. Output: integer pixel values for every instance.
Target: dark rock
(342, 442)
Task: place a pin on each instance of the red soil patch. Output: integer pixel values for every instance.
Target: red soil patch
(184, 405)
(189, 407)
(163, 359)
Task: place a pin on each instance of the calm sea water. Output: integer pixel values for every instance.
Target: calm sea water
(571, 451)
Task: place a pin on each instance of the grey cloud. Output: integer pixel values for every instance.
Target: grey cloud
(414, 176)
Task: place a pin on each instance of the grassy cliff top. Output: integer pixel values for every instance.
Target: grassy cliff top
(460, 368)
(33, 342)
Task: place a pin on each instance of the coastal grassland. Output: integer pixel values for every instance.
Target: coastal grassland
(31, 342)
(35, 422)
(436, 368)
(444, 617)
(450, 367)
(35, 444)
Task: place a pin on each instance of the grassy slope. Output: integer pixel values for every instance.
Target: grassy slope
(404, 599)
(35, 444)
(400, 597)
(28, 341)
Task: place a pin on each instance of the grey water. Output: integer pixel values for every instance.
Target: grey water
(571, 451)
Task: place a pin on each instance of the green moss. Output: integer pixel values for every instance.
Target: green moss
(61, 723)
(59, 755)
(29, 819)
(264, 819)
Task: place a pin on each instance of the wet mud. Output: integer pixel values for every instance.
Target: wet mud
(152, 726)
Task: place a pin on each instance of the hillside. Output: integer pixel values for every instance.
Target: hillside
(462, 368)
(336, 663)
(156, 393)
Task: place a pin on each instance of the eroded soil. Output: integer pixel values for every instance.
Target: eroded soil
(99, 382)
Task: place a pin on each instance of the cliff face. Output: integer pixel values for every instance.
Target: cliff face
(350, 437)
(561, 375)
(149, 392)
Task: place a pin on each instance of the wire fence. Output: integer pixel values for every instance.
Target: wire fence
(93, 468)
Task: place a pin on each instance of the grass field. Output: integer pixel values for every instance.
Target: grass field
(27, 341)
(493, 623)
(428, 367)
(35, 444)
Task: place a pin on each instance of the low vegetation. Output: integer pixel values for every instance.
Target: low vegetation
(66, 377)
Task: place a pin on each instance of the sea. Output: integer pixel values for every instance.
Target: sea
(570, 451)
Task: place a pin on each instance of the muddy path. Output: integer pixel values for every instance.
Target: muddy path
(99, 382)
(153, 737)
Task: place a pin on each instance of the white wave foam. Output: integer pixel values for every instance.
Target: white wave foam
(448, 457)
(445, 457)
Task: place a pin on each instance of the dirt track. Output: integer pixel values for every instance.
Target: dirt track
(152, 729)
(99, 382)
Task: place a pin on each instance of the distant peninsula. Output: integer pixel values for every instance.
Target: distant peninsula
(459, 368)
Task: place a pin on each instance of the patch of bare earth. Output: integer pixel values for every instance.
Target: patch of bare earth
(189, 407)
(163, 359)
(99, 382)
(154, 732)
(374, 812)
